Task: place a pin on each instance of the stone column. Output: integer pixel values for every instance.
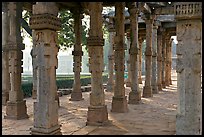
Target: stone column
(97, 111)
(5, 52)
(16, 105)
(140, 41)
(119, 101)
(45, 23)
(135, 94)
(34, 90)
(147, 90)
(159, 59)
(128, 79)
(170, 60)
(76, 94)
(167, 60)
(154, 59)
(189, 53)
(110, 83)
(163, 58)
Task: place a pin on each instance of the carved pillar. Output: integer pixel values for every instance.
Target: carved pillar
(189, 53)
(97, 111)
(163, 58)
(128, 79)
(159, 59)
(110, 83)
(5, 52)
(45, 23)
(140, 41)
(154, 59)
(76, 94)
(135, 94)
(147, 90)
(16, 105)
(170, 60)
(167, 83)
(119, 101)
(34, 90)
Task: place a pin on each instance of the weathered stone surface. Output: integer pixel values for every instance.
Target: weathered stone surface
(5, 65)
(189, 32)
(47, 103)
(154, 60)
(16, 106)
(76, 94)
(147, 90)
(119, 98)
(16, 110)
(159, 59)
(110, 83)
(97, 115)
(97, 111)
(119, 104)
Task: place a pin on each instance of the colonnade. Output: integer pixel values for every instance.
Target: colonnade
(45, 24)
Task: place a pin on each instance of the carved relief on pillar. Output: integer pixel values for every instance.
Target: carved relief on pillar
(95, 41)
(45, 24)
(45, 21)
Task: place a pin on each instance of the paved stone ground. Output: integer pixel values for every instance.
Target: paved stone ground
(154, 116)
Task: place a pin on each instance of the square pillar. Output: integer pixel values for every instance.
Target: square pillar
(189, 54)
(16, 105)
(45, 23)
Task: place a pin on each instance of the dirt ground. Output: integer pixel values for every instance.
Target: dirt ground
(154, 116)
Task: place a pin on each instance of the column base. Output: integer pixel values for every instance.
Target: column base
(155, 89)
(119, 104)
(34, 94)
(147, 92)
(46, 131)
(134, 97)
(5, 97)
(159, 87)
(76, 96)
(187, 126)
(97, 115)
(16, 110)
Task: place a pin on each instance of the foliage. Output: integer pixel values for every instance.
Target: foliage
(66, 37)
(61, 82)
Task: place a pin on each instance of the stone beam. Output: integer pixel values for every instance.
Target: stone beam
(164, 10)
(169, 24)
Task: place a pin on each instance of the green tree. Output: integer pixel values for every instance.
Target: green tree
(66, 37)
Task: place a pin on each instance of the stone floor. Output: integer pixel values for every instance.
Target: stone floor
(154, 116)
